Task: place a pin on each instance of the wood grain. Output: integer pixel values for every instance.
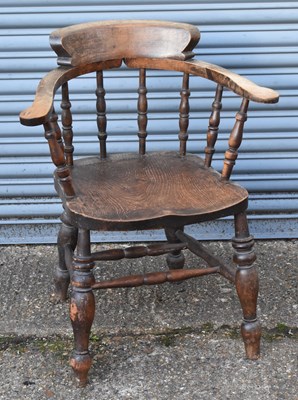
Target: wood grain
(106, 40)
(128, 191)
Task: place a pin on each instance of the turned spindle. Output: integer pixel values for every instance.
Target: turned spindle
(142, 111)
(247, 286)
(66, 119)
(56, 128)
(101, 114)
(235, 140)
(184, 114)
(214, 121)
(58, 159)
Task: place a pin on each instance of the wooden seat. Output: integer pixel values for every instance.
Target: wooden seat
(168, 190)
(124, 188)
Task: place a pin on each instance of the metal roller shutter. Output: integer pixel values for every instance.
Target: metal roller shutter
(257, 39)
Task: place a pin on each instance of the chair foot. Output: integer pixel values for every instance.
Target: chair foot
(247, 286)
(61, 282)
(176, 259)
(251, 334)
(247, 290)
(81, 364)
(82, 309)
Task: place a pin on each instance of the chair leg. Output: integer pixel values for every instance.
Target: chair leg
(175, 259)
(67, 237)
(247, 286)
(82, 307)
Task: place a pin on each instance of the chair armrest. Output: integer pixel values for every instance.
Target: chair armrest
(38, 112)
(41, 108)
(238, 84)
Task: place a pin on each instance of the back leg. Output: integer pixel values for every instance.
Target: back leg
(67, 241)
(175, 259)
(247, 286)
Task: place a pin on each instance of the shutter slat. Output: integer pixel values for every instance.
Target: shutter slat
(255, 38)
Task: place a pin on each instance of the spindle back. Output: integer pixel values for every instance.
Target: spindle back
(142, 121)
(142, 45)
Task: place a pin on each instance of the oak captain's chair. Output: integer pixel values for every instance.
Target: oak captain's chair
(167, 190)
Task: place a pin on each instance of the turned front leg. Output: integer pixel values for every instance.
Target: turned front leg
(247, 286)
(82, 307)
(67, 241)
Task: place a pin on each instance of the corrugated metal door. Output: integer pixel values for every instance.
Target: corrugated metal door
(255, 38)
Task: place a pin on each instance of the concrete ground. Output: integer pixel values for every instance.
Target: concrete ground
(167, 342)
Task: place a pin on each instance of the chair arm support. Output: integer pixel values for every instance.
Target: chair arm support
(236, 83)
(41, 108)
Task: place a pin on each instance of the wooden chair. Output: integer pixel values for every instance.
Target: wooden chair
(155, 190)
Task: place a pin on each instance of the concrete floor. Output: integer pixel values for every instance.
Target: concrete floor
(173, 341)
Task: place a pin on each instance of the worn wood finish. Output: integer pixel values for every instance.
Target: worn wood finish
(123, 192)
(147, 190)
(82, 306)
(105, 40)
